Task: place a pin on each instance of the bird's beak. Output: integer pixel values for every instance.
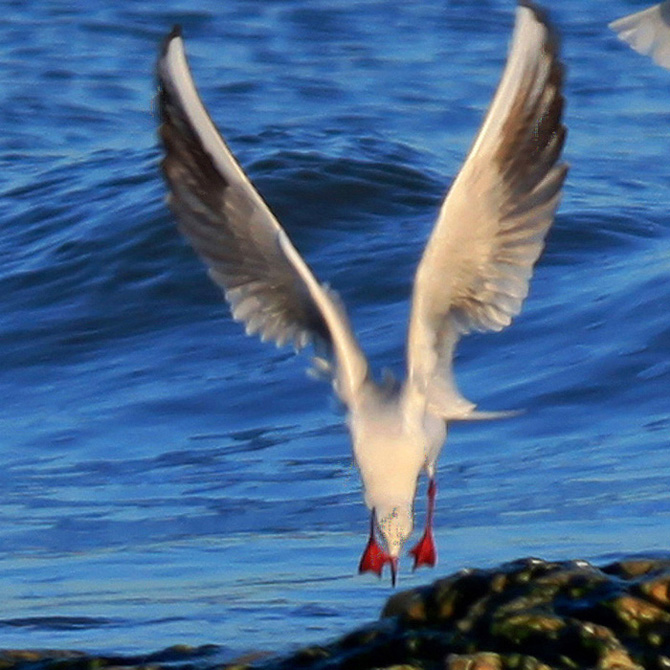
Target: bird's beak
(393, 560)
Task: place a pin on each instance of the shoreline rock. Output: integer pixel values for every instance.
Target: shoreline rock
(528, 614)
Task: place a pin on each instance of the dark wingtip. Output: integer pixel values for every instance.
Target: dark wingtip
(173, 34)
(540, 12)
(160, 103)
(541, 15)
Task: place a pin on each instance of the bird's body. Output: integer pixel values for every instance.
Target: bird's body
(394, 438)
(473, 275)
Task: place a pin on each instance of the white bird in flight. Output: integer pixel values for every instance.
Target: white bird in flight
(648, 32)
(473, 275)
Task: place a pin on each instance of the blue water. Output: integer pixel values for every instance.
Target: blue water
(167, 480)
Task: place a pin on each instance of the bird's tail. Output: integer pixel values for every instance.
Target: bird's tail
(488, 416)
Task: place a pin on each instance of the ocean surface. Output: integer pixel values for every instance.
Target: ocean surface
(165, 479)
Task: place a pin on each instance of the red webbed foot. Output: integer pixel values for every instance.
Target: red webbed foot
(373, 559)
(425, 552)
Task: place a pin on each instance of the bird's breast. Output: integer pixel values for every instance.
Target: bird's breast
(389, 451)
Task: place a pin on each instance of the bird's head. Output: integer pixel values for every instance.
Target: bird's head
(395, 523)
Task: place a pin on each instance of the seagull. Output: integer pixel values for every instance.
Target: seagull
(473, 275)
(648, 32)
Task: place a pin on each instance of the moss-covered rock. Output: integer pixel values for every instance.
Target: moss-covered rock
(525, 615)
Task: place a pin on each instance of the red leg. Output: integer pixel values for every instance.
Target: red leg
(374, 557)
(425, 552)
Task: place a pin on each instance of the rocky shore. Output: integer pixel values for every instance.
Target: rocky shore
(529, 615)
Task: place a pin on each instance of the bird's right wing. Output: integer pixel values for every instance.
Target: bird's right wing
(268, 285)
(648, 32)
(475, 270)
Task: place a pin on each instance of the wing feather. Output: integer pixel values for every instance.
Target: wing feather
(648, 32)
(267, 284)
(491, 228)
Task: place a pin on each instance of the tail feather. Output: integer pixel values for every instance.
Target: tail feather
(490, 416)
(445, 401)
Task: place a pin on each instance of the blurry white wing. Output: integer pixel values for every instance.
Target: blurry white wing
(648, 32)
(475, 270)
(267, 283)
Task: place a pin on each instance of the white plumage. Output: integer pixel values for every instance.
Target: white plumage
(474, 272)
(648, 32)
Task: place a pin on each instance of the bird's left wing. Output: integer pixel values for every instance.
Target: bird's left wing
(267, 283)
(648, 32)
(476, 267)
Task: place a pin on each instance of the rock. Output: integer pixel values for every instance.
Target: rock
(525, 615)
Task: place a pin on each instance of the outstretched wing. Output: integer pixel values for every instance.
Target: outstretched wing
(268, 285)
(476, 267)
(648, 32)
